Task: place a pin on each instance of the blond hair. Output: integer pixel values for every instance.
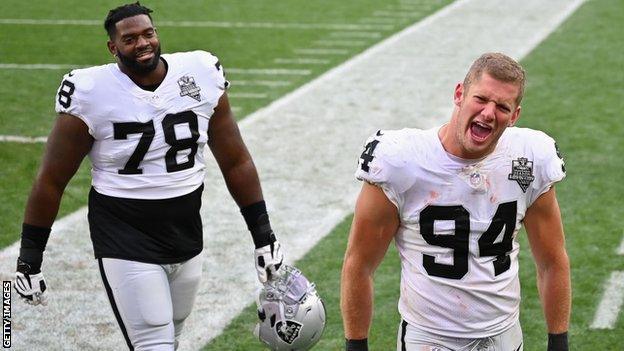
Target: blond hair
(501, 67)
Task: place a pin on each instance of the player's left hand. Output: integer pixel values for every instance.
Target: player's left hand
(269, 259)
(30, 287)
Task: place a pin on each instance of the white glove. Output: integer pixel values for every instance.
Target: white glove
(31, 288)
(268, 259)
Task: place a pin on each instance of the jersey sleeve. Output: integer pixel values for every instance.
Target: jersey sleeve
(550, 165)
(72, 94)
(215, 69)
(384, 163)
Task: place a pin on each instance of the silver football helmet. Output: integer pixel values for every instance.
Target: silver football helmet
(292, 315)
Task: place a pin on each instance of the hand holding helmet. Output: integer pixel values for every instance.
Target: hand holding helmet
(292, 314)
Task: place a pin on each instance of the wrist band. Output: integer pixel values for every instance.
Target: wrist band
(356, 344)
(558, 342)
(33, 243)
(257, 220)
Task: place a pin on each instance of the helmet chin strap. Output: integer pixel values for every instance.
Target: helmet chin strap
(282, 316)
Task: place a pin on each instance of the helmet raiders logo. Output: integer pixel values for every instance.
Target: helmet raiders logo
(189, 88)
(290, 332)
(522, 172)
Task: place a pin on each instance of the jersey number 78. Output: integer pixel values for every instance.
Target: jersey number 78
(122, 130)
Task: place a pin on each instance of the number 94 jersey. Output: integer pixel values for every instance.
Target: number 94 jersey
(459, 220)
(147, 144)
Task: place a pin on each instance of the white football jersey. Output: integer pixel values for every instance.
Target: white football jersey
(458, 224)
(148, 145)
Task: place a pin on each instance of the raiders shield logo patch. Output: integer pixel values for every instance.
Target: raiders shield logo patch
(290, 332)
(189, 88)
(522, 172)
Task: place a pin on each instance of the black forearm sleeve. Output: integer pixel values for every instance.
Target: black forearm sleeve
(33, 243)
(257, 220)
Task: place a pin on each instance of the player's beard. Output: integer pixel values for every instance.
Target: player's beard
(140, 68)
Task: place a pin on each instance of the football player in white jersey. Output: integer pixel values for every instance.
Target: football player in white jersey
(144, 121)
(454, 198)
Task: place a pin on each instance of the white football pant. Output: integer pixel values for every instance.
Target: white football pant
(411, 338)
(151, 301)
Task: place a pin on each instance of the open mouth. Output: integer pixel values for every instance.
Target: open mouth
(480, 131)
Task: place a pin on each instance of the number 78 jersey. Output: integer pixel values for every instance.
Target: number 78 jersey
(147, 144)
(459, 221)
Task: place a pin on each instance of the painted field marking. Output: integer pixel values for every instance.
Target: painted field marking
(348, 34)
(207, 24)
(381, 20)
(247, 95)
(321, 51)
(611, 303)
(267, 71)
(343, 43)
(324, 121)
(266, 83)
(51, 66)
(382, 13)
(22, 139)
(403, 7)
(302, 60)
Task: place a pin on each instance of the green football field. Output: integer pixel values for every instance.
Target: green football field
(575, 94)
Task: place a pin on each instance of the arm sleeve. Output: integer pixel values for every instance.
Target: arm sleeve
(71, 96)
(550, 167)
(215, 69)
(384, 163)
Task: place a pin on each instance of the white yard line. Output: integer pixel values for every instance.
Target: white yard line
(265, 83)
(401, 14)
(207, 24)
(355, 35)
(611, 302)
(22, 139)
(382, 20)
(43, 66)
(266, 71)
(403, 7)
(305, 146)
(270, 71)
(321, 51)
(301, 60)
(247, 95)
(340, 43)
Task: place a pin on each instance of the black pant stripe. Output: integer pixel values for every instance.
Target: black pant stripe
(111, 298)
(403, 332)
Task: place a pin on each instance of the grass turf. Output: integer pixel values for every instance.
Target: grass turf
(574, 94)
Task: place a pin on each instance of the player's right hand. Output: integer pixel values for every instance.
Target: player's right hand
(269, 259)
(31, 287)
